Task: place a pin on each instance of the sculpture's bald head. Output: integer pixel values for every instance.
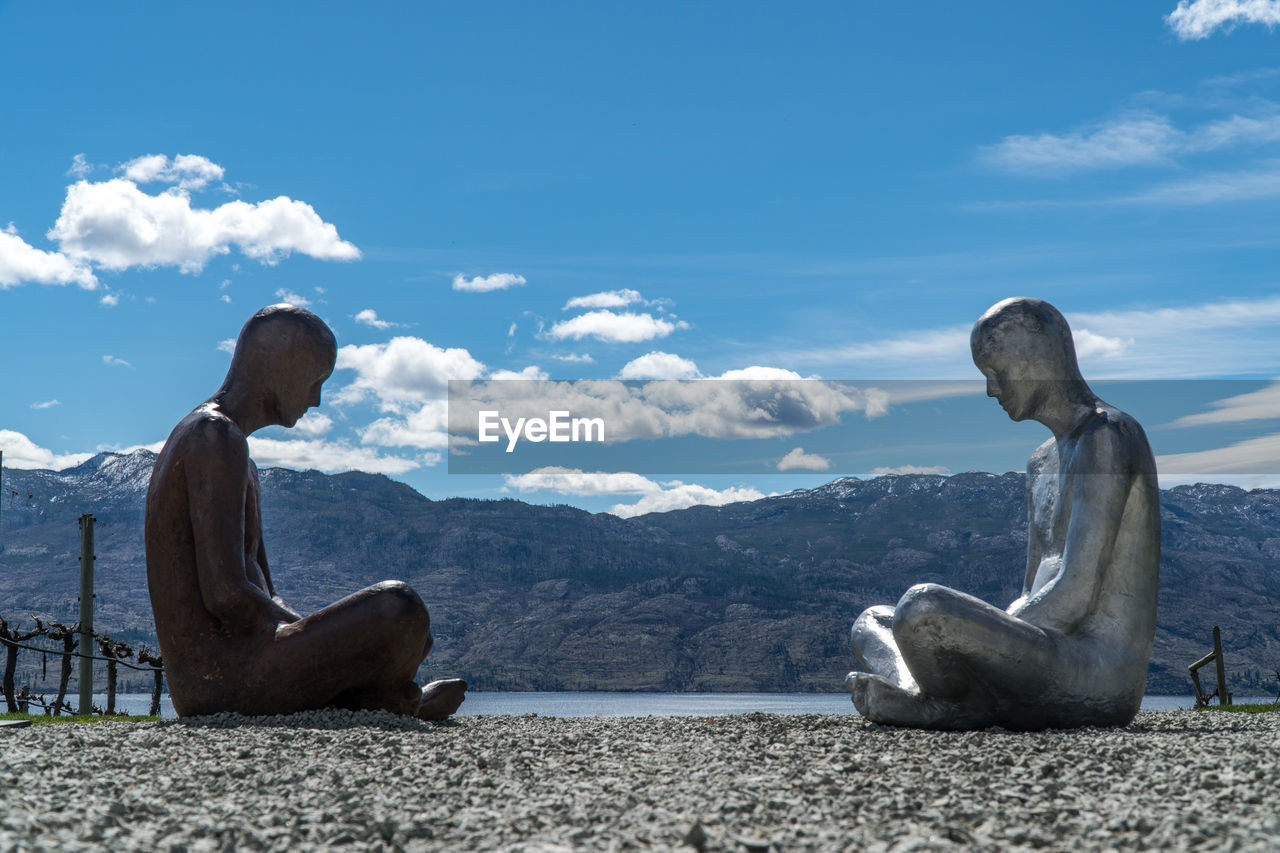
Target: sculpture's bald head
(1024, 346)
(287, 353)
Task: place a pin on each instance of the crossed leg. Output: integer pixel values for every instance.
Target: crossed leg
(966, 661)
(360, 652)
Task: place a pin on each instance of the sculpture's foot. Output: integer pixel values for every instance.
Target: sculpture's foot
(441, 698)
(881, 701)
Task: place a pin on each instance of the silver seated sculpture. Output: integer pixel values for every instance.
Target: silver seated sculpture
(1073, 649)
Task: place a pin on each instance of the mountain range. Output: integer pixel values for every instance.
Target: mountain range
(753, 596)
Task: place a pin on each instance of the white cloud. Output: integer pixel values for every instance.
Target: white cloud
(1198, 19)
(112, 361)
(47, 404)
(20, 263)
(659, 365)
(424, 427)
(605, 299)
(369, 317)
(657, 497)
(575, 358)
(115, 225)
(292, 297)
(486, 283)
(1089, 345)
(798, 460)
(329, 456)
(403, 373)
(911, 469)
(110, 300)
(678, 495)
(188, 171)
(511, 331)
(227, 345)
(226, 298)
(1263, 404)
(532, 372)
(314, 424)
(22, 452)
(612, 327)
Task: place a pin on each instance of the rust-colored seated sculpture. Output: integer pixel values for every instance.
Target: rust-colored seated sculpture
(229, 642)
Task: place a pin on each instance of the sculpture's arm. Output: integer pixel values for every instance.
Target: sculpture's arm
(1099, 483)
(283, 612)
(217, 475)
(1035, 548)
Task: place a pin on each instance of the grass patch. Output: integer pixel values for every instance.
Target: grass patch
(44, 720)
(1245, 708)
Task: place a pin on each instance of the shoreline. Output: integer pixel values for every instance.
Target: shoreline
(1170, 780)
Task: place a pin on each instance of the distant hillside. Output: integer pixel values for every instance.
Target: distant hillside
(751, 596)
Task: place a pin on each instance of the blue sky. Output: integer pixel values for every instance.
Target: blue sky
(591, 191)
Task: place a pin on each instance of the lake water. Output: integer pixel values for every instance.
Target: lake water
(647, 704)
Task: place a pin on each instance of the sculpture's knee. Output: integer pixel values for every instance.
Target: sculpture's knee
(872, 621)
(398, 602)
(922, 612)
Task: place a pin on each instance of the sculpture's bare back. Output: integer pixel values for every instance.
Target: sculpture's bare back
(1073, 649)
(231, 643)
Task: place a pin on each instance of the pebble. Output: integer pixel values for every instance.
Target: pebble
(1176, 780)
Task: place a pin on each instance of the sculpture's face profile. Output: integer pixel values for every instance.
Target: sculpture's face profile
(1014, 393)
(294, 401)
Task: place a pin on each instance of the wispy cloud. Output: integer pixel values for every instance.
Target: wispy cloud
(1263, 404)
(227, 345)
(1134, 139)
(1197, 19)
(1232, 337)
(1261, 182)
(112, 361)
(47, 404)
(486, 283)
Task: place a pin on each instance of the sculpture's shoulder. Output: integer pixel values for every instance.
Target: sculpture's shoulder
(1113, 441)
(204, 438)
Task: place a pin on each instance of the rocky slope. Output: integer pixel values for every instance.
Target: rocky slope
(751, 596)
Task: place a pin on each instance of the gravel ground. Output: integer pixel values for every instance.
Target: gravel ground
(755, 782)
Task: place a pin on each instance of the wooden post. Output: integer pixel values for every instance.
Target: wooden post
(1223, 697)
(86, 613)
